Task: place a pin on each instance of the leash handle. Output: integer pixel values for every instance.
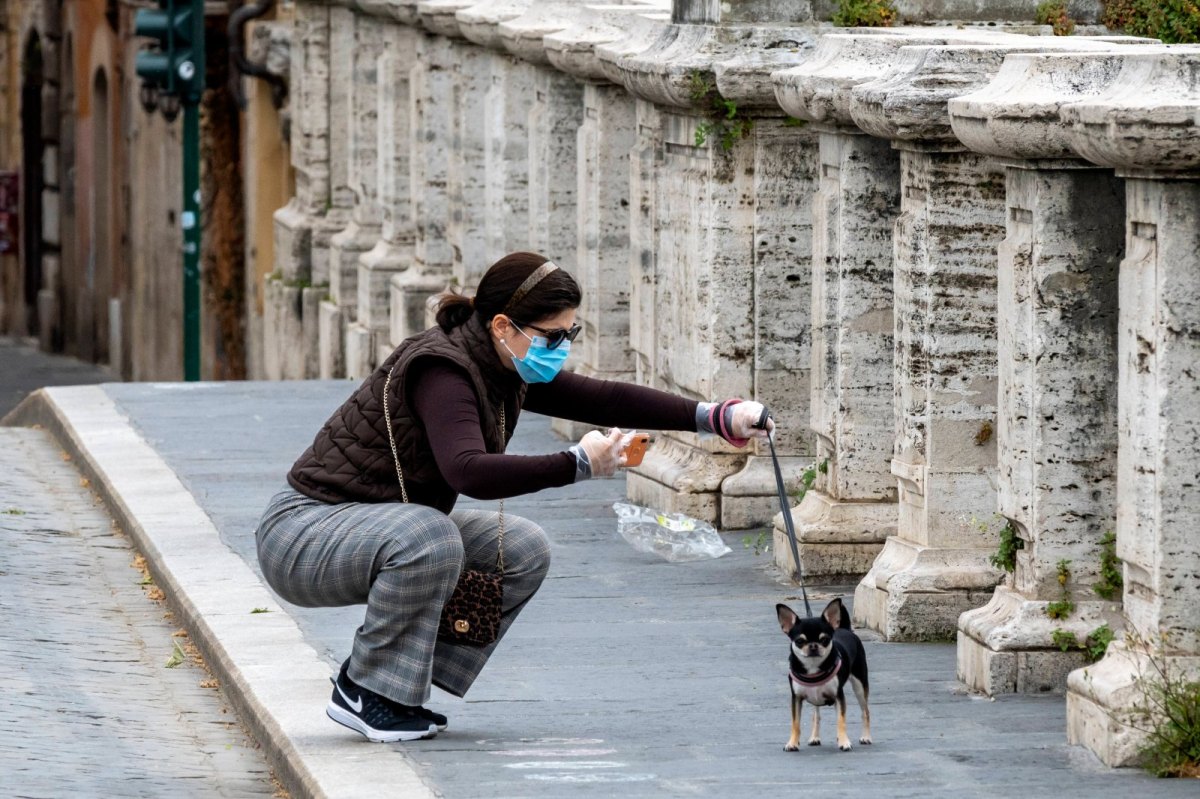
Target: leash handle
(788, 525)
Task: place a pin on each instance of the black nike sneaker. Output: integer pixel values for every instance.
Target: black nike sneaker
(378, 718)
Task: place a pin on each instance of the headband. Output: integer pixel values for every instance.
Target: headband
(534, 278)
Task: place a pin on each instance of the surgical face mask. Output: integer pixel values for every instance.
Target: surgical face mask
(540, 364)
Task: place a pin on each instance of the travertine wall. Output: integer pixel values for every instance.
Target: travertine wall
(905, 242)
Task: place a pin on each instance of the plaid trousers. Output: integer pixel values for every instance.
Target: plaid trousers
(403, 561)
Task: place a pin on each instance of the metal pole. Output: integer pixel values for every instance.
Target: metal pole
(191, 241)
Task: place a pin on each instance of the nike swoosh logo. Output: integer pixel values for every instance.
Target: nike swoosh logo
(355, 706)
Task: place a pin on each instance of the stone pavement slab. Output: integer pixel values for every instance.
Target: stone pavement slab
(24, 368)
(89, 707)
(626, 674)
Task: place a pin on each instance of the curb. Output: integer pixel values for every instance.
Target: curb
(276, 681)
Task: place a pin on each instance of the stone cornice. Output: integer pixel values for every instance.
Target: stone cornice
(746, 79)
(1017, 114)
(523, 36)
(481, 22)
(1148, 118)
(573, 49)
(911, 103)
(645, 32)
(664, 74)
(441, 16)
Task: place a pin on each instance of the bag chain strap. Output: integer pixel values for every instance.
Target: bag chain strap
(387, 419)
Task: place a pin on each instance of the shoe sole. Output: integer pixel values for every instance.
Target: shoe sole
(348, 719)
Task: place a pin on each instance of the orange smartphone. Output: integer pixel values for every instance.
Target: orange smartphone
(636, 449)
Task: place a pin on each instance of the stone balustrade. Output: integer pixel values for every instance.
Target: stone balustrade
(903, 241)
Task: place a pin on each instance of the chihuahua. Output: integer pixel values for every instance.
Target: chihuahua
(825, 655)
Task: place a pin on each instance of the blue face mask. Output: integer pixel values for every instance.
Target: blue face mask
(540, 364)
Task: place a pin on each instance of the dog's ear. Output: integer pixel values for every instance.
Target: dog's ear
(833, 613)
(787, 618)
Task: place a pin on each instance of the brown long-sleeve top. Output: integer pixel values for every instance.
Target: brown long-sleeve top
(445, 403)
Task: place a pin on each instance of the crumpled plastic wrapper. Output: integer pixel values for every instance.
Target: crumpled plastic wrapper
(672, 536)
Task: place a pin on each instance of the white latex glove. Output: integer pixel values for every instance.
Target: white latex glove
(604, 451)
(745, 416)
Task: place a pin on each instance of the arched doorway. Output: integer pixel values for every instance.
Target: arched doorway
(32, 172)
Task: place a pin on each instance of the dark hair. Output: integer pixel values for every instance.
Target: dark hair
(556, 292)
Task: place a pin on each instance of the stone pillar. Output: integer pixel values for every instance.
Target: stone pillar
(1057, 428)
(505, 120)
(1144, 126)
(393, 252)
(431, 87)
(366, 215)
(944, 453)
(466, 168)
(851, 509)
(304, 226)
(706, 336)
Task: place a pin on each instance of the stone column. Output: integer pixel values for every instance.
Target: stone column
(393, 252)
(851, 509)
(431, 87)
(505, 119)
(707, 337)
(366, 215)
(603, 143)
(466, 175)
(944, 453)
(1144, 125)
(1057, 427)
(304, 226)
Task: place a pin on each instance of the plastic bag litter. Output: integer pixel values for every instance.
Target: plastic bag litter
(672, 536)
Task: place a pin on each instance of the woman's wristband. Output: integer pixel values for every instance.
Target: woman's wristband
(583, 466)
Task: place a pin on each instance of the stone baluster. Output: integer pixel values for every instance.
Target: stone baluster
(1145, 126)
(366, 215)
(952, 217)
(319, 207)
(393, 252)
(604, 140)
(509, 97)
(1057, 320)
(703, 336)
(851, 509)
(466, 173)
(431, 122)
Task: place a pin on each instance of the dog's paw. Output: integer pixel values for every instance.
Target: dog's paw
(844, 746)
(791, 747)
(815, 742)
(865, 741)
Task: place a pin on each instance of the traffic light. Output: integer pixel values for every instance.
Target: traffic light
(174, 67)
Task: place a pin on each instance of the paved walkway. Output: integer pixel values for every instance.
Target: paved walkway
(89, 707)
(23, 369)
(626, 674)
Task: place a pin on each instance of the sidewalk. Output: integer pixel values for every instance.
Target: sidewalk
(89, 707)
(625, 676)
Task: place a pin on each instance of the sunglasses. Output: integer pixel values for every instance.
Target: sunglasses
(556, 337)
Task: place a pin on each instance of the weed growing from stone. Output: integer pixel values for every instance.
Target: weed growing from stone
(1094, 646)
(1063, 607)
(1168, 712)
(1110, 583)
(761, 542)
(1054, 13)
(14, 512)
(1006, 556)
(865, 14)
(725, 124)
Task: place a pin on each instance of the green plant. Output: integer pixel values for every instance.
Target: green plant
(1054, 14)
(1006, 556)
(1168, 712)
(1063, 607)
(1098, 641)
(759, 543)
(1060, 609)
(1064, 640)
(260, 610)
(14, 512)
(725, 124)
(808, 477)
(1173, 21)
(177, 656)
(865, 14)
(793, 122)
(1110, 582)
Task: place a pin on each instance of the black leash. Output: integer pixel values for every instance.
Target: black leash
(783, 505)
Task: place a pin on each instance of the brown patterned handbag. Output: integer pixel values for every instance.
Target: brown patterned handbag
(472, 613)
